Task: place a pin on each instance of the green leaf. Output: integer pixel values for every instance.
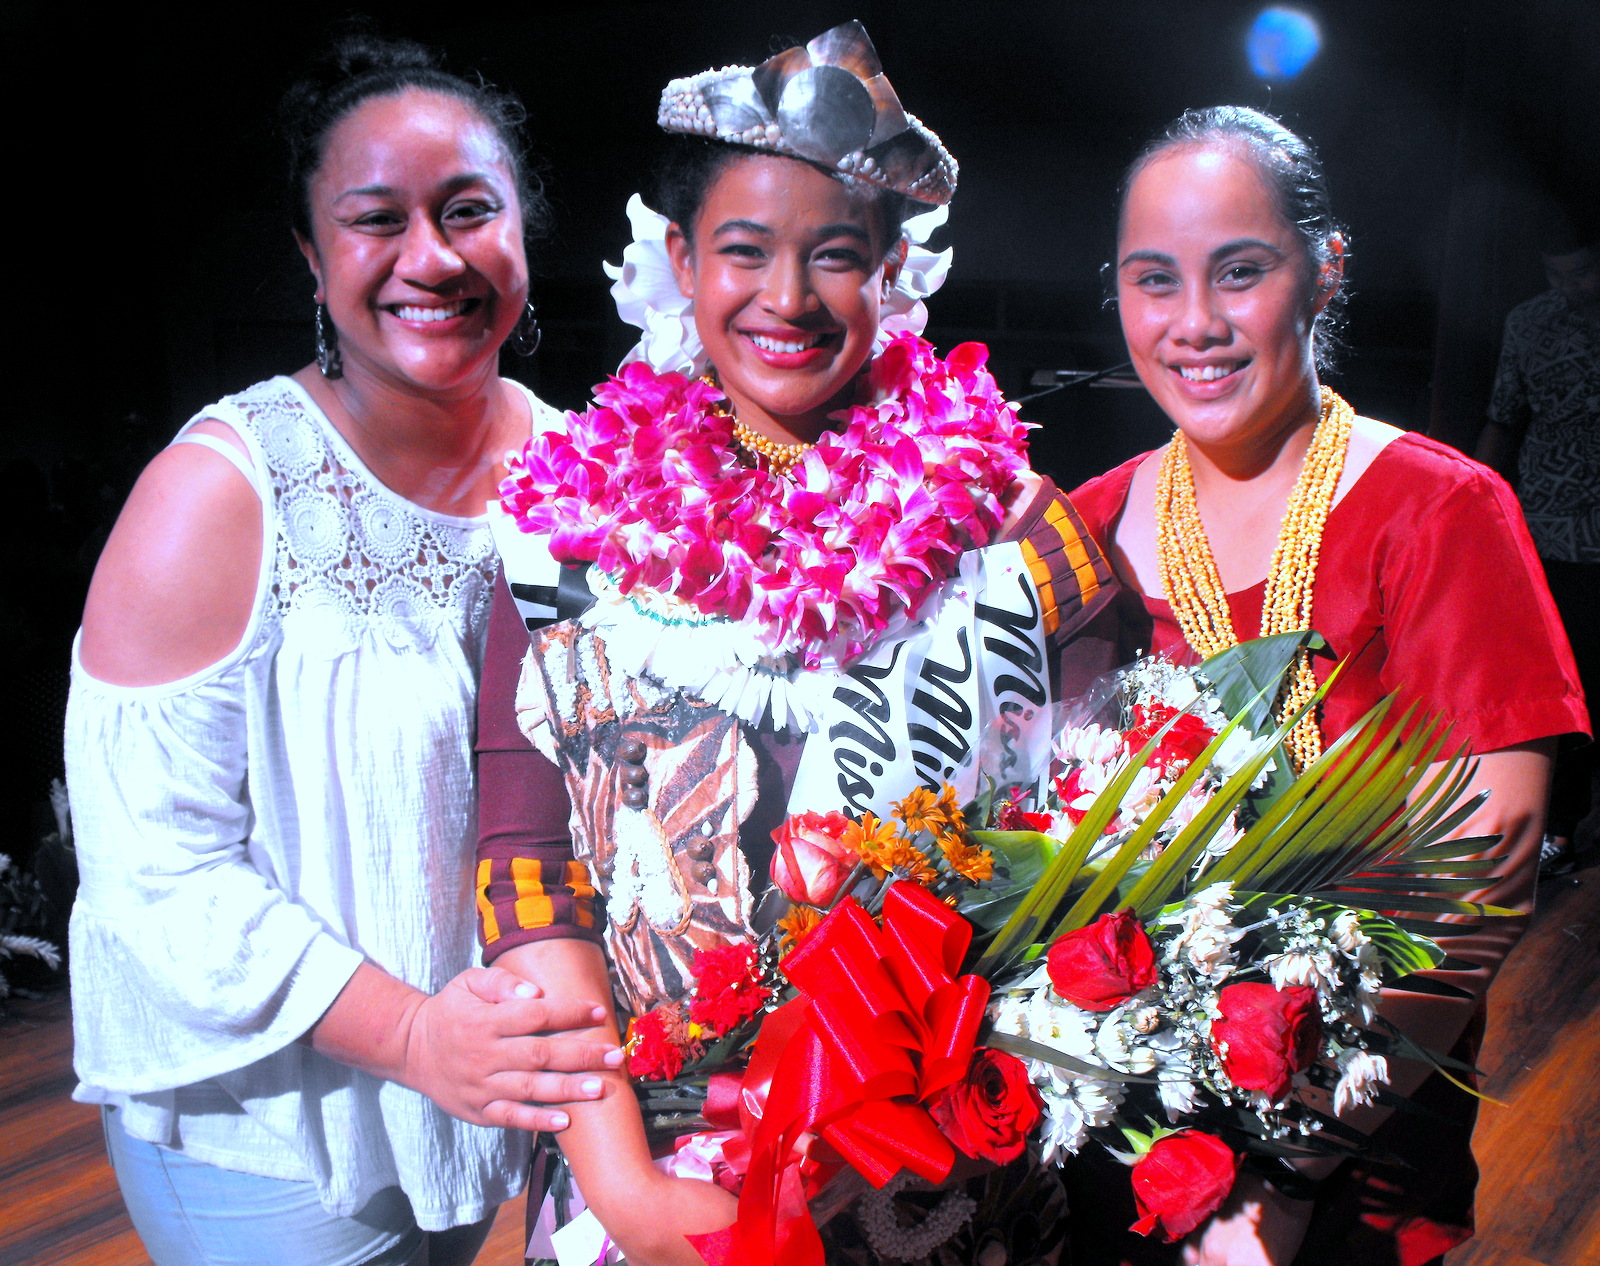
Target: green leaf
(1026, 1048)
(1020, 858)
(1247, 677)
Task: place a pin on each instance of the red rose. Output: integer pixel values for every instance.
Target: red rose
(990, 1114)
(810, 862)
(1182, 1181)
(727, 988)
(1179, 746)
(1103, 964)
(1267, 1035)
(652, 1054)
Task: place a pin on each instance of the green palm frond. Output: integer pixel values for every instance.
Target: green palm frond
(1365, 827)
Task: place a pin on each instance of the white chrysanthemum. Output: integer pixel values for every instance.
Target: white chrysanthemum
(1180, 692)
(1347, 934)
(1369, 984)
(1120, 1045)
(1205, 932)
(1090, 745)
(1072, 1106)
(1313, 967)
(1180, 1097)
(1360, 1074)
(1056, 1022)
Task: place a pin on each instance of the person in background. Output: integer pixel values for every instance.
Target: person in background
(1275, 508)
(1543, 433)
(269, 738)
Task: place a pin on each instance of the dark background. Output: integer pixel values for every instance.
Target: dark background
(153, 271)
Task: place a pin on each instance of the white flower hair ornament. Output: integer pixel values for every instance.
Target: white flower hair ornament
(647, 295)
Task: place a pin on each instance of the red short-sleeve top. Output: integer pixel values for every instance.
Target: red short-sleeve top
(1427, 576)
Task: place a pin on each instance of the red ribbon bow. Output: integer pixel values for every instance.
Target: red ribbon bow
(882, 1024)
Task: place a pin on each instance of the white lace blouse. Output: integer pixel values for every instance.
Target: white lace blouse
(248, 834)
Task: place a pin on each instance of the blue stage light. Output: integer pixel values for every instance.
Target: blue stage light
(1282, 43)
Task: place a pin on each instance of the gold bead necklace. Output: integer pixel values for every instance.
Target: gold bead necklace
(780, 457)
(1193, 587)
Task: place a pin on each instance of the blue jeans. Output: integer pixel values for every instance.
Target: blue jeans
(190, 1213)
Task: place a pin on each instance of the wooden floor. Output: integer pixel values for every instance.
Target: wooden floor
(1539, 1204)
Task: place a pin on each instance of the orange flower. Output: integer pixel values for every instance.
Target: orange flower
(966, 859)
(919, 811)
(948, 809)
(798, 924)
(909, 860)
(871, 838)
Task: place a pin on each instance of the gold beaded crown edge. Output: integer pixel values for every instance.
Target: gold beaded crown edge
(827, 103)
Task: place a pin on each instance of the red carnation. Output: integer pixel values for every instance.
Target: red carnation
(1267, 1035)
(727, 988)
(810, 862)
(1182, 1181)
(1013, 817)
(1103, 964)
(990, 1114)
(652, 1054)
(1179, 746)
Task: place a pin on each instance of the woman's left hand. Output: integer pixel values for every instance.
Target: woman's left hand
(1258, 1226)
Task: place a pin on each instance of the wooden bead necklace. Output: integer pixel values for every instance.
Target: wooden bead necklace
(1193, 587)
(780, 457)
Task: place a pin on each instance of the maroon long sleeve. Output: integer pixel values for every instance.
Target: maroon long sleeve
(529, 886)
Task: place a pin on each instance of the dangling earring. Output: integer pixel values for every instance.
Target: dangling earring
(328, 359)
(525, 335)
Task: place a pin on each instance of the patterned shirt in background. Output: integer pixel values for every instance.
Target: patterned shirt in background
(1548, 388)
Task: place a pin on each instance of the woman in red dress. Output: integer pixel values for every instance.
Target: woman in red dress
(1275, 507)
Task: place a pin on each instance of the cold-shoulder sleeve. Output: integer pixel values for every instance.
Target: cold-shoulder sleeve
(188, 960)
(529, 886)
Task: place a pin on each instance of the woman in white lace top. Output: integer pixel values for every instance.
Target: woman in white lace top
(269, 740)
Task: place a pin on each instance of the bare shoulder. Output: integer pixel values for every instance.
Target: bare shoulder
(174, 587)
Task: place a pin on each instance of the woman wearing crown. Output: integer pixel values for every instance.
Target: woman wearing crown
(790, 559)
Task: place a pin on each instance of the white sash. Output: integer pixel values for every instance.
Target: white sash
(965, 690)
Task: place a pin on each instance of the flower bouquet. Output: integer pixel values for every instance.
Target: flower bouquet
(1169, 943)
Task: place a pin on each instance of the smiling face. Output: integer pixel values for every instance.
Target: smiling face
(1217, 301)
(787, 272)
(417, 243)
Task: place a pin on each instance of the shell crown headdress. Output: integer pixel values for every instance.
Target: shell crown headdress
(828, 103)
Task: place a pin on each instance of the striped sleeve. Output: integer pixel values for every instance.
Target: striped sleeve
(531, 894)
(1068, 567)
(1077, 590)
(529, 886)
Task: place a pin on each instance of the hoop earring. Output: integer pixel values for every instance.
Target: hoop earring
(526, 334)
(328, 359)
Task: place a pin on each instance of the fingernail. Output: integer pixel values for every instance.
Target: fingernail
(598, 1014)
(591, 1085)
(614, 1057)
(558, 1121)
(525, 990)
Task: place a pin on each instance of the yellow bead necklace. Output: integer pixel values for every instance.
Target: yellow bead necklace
(1193, 587)
(780, 457)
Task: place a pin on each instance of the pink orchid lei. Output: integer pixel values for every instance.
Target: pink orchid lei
(647, 485)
